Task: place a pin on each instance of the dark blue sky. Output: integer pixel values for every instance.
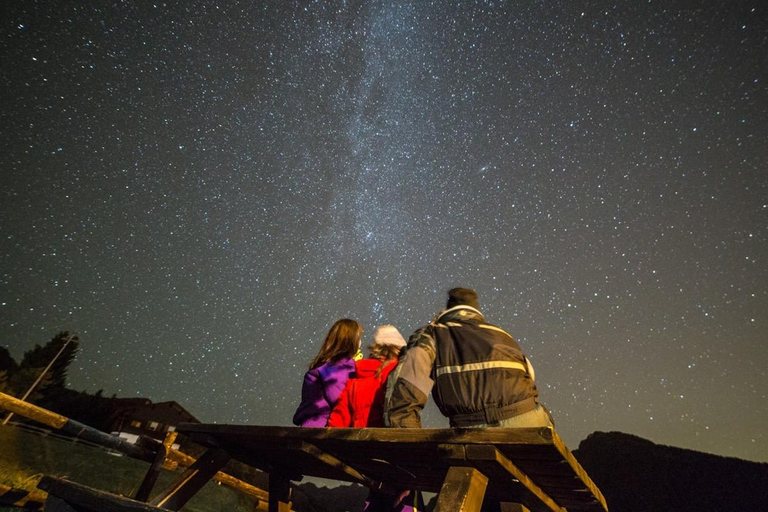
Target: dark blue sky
(200, 191)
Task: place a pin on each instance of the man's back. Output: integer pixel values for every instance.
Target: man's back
(476, 371)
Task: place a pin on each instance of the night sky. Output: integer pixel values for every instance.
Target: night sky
(200, 191)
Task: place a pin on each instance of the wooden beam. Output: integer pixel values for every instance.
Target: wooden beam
(191, 480)
(503, 472)
(501, 436)
(279, 493)
(332, 461)
(182, 459)
(81, 498)
(32, 412)
(74, 428)
(142, 494)
(463, 490)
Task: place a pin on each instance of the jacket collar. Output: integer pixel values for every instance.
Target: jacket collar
(460, 312)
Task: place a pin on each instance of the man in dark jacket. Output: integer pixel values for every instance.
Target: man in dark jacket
(478, 375)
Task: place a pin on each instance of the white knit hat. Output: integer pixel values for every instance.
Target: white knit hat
(388, 335)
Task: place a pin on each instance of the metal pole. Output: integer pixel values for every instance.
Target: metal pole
(33, 386)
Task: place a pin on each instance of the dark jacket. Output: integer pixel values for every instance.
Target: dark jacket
(477, 373)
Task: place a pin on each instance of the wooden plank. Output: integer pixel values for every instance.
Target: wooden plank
(251, 433)
(33, 412)
(185, 460)
(409, 458)
(463, 490)
(191, 480)
(520, 488)
(335, 463)
(82, 498)
(74, 428)
(580, 472)
(142, 494)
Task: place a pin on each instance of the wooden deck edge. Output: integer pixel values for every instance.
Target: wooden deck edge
(571, 460)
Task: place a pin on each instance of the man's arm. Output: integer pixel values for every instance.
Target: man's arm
(409, 383)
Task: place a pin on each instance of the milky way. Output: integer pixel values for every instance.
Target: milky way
(200, 190)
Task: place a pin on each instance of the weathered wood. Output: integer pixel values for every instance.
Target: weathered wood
(28, 500)
(463, 490)
(181, 458)
(74, 428)
(192, 480)
(505, 474)
(81, 498)
(33, 412)
(142, 494)
(279, 493)
(81, 431)
(414, 458)
(580, 472)
(521, 436)
(335, 463)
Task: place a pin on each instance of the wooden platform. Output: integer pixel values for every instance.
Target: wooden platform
(528, 466)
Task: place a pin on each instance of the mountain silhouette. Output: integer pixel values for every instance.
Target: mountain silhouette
(637, 475)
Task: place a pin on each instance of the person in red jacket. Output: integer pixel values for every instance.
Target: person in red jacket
(361, 403)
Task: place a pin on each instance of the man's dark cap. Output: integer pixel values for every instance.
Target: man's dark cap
(462, 297)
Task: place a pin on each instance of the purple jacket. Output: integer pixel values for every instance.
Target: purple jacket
(320, 391)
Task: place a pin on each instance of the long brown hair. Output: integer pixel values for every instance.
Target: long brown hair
(385, 353)
(342, 340)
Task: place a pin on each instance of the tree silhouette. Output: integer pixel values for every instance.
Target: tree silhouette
(7, 363)
(16, 379)
(39, 357)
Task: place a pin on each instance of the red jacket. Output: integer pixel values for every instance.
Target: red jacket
(362, 401)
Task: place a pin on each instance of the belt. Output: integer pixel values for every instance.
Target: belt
(493, 414)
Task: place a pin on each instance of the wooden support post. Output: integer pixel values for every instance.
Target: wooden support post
(494, 464)
(142, 494)
(463, 490)
(192, 480)
(279, 492)
(178, 458)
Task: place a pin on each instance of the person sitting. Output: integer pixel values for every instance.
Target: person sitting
(362, 401)
(361, 404)
(328, 373)
(477, 373)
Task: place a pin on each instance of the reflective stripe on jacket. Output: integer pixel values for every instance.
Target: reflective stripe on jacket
(476, 372)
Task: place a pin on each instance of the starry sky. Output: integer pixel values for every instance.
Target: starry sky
(200, 189)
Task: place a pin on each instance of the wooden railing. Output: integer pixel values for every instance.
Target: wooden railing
(147, 450)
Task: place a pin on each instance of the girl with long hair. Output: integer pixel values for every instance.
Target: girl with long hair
(328, 373)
